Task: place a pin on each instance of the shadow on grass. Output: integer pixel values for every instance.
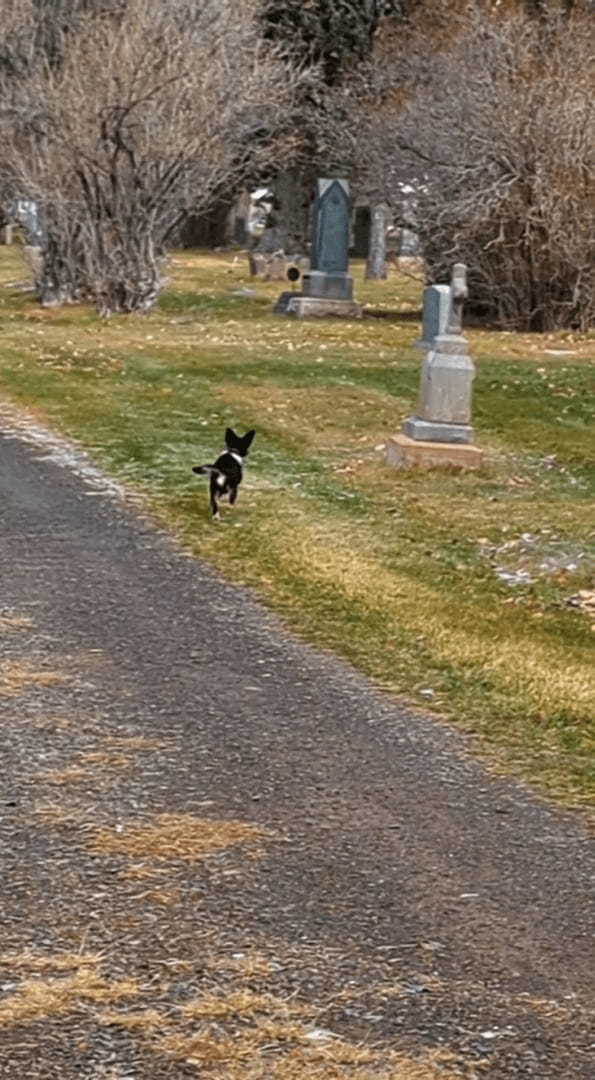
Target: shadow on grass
(393, 315)
(198, 305)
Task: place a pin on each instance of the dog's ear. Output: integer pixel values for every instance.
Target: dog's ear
(231, 439)
(246, 441)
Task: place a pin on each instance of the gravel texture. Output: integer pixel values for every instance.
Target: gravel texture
(417, 901)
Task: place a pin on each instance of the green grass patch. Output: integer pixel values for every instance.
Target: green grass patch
(450, 590)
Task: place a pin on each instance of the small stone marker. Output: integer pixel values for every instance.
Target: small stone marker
(440, 433)
(328, 288)
(274, 267)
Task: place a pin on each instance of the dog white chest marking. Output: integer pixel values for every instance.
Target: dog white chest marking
(236, 457)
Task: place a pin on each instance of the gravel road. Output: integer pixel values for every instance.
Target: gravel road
(393, 856)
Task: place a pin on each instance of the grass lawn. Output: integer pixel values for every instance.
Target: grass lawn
(450, 590)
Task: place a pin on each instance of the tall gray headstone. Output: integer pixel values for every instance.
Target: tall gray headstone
(329, 257)
(327, 289)
(436, 313)
(444, 410)
(330, 227)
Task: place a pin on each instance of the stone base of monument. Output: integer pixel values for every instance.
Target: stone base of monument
(415, 427)
(327, 285)
(322, 294)
(304, 307)
(406, 453)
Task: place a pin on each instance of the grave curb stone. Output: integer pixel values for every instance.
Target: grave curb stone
(406, 453)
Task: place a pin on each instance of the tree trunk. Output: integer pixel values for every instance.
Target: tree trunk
(293, 190)
(129, 271)
(60, 277)
(376, 264)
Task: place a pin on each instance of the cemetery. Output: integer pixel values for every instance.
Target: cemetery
(298, 785)
(426, 578)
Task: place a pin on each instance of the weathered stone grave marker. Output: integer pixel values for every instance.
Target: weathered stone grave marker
(328, 287)
(440, 434)
(436, 312)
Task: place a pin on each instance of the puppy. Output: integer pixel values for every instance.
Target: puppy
(226, 472)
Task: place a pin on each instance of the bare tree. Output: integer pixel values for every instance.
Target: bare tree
(152, 111)
(334, 37)
(495, 130)
(502, 142)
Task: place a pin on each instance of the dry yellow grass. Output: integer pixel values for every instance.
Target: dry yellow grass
(262, 1036)
(57, 814)
(88, 767)
(70, 774)
(244, 1004)
(165, 897)
(177, 836)
(292, 1052)
(15, 622)
(303, 413)
(243, 1035)
(63, 961)
(543, 675)
(298, 1065)
(248, 965)
(240, 1034)
(37, 999)
(140, 872)
(207, 1050)
(52, 724)
(106, 759)
(559, 1011)
(146, 1021)
(16, 676)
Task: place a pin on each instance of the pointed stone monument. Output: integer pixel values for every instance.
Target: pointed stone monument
(440, 433)
(327, 288)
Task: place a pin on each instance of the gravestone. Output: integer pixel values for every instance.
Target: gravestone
(328, 287)
(440, 433)
(409, 246)
(361, 232)
(29, 215)
(329, 258)
(436, 313)
(240, 232)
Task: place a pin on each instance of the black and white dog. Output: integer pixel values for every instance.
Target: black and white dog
(226, 472)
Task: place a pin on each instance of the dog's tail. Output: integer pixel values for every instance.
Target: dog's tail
(213, 472)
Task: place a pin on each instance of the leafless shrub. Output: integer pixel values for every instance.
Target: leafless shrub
(495, 130)
(152, 110)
